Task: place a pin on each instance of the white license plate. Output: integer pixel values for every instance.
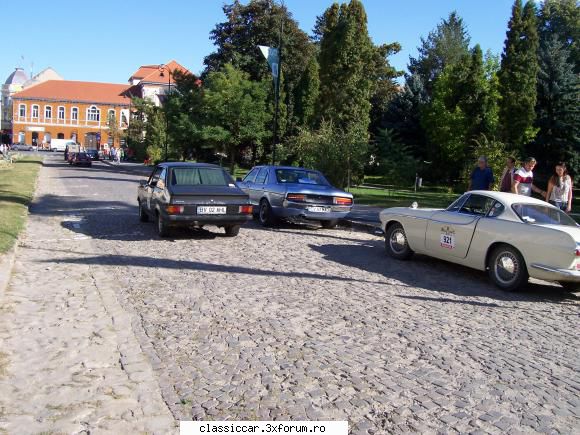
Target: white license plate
(211, 210)
(319, 209)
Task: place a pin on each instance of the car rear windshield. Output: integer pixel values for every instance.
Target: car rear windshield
(301, 176)
(542, 215)
(199, 176)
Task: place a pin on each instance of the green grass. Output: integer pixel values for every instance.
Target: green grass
(401, 197)
(17, 182)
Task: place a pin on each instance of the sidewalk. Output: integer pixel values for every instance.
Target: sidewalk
(69, 358)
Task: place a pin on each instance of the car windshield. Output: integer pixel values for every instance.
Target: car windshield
(301, 176)
(199, 176)
(542, 215)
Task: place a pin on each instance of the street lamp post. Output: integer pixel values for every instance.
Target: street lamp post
(162, 71)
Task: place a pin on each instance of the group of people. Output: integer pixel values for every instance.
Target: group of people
(521, 181)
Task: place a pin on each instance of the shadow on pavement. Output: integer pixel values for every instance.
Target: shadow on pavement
(436, 275)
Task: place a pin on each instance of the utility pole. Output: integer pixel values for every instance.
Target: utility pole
(277, 91)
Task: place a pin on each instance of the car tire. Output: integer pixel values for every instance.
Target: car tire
(396, 242)
(143, 216)
(232, 230)
(162, 227)
(570, 286)
(329, 224)
(507, 268)
(265, 214)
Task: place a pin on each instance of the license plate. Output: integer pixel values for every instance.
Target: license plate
(211, 210)
(319, 209)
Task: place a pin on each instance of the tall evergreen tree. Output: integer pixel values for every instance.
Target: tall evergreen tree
(518, 77)
(446, 45)
(558, 108)
(346, 69)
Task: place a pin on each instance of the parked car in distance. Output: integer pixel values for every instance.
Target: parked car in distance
(192, 195)
(294, 193)
(21, 147)
(80, 159)
(93, 154)
(513, 237)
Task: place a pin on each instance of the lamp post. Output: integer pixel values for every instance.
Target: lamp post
(161, 73)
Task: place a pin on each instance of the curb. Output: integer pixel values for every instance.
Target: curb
(144, 170)
(6, 266)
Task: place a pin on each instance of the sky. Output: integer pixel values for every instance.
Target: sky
(106, 41)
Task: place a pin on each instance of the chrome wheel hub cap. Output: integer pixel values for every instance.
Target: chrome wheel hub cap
(506, 267)
(398, 241)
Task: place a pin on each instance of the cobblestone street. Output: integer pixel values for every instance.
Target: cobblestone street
(290, 323)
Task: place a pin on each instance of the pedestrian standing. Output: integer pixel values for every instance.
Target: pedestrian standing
(524, 179)
(507, 177)
(559, 191)
(481, 176)
(113, 153)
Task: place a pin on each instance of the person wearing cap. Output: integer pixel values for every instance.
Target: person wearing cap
(481, 176)
(524, 179)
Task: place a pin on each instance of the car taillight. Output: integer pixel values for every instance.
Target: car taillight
(338, 200)
(174, 209)
(296, 197)
(246, 209)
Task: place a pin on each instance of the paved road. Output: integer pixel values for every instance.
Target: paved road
(303, 323)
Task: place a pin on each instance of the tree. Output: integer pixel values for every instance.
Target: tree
(339, 154)
(403, 115)
(346, 61)
(184, 109)
(392, 159)
(259, 23)
(446, 45)
(155, 133)
(518, 77)
(561, 18)
(135, 132)
(558, 113)
(115, 132)
(234, 111)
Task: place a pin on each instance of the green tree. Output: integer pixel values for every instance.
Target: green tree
(339, 154)
(307, 95)
(518, 77)
(562, 19)
(155, 133)
(259, 23)
(392, 159)
(115, 131)
(234, 111)
(346, 69)
(558, 113)
(184, 109)
(444, 46)
(135, 132)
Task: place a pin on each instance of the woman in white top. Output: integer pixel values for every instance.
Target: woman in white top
(560, 188)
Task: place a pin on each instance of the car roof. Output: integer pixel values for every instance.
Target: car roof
(285, 167)
(509, 198)
(188, 165)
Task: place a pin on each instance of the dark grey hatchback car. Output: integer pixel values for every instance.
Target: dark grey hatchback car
(194, 195)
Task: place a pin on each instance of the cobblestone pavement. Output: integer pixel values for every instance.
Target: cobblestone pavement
(303, 323)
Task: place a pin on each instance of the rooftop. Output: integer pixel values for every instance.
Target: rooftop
(83, 92)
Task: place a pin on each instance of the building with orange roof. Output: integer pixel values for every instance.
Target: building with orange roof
(67, 109)
(153, 82)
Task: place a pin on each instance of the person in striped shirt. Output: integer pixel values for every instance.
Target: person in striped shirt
(524, 179)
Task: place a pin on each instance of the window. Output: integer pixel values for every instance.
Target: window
(477, 205)
(543, 214)
(74, 114)
(111, 115)
(300, 176)
(155, 176)
(47, 112)
(22, 110)
(262, 176)
(93, 114)
(496, 210)
(61, 113)
(251, 176)
(456, 205)
(35, 111)
(199, 176)
(124, 122)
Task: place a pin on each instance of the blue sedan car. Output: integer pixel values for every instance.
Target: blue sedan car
(293, 193)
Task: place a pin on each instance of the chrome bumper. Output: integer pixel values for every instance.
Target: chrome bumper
(564, 274)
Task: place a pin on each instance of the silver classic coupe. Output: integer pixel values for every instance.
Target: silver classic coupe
(511, 236)
(294, 193)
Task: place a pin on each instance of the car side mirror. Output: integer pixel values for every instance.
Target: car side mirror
(239, 179)
(153, 184)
